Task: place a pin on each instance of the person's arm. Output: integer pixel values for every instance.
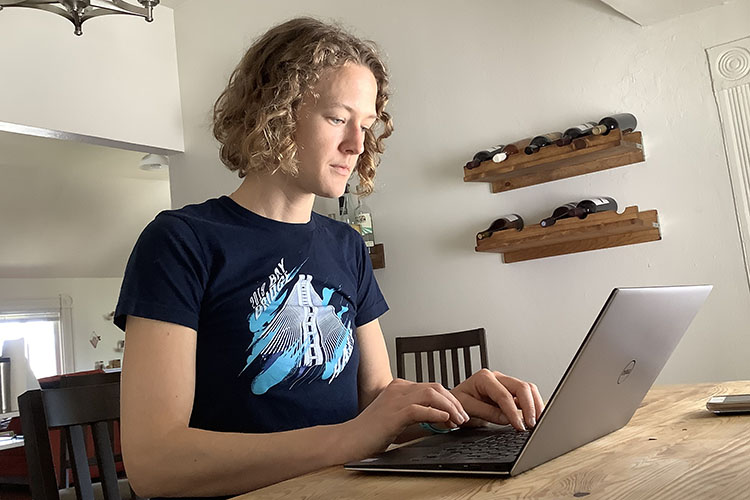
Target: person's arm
(165, 457)
(375, 376)
(485, 396)
(374, 366)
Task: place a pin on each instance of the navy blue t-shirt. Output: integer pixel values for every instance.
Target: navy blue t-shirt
(275, 306)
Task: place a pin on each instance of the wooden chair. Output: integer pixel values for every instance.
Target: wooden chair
(72, 408)
(442, 343)
(76, 380)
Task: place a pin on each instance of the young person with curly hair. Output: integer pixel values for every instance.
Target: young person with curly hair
(254, 352)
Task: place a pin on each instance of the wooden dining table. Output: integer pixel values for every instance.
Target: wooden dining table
(672, 448)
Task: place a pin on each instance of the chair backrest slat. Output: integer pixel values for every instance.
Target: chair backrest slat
(441, 343)
(106, 460)
(454, 363)
(79, 461)
(74, 409)
(443, 369)
(431, 366)
(467, 362)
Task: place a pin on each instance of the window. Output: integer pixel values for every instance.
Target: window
(40, 333)
(40, 330)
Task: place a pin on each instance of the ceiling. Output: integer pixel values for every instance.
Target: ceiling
(171, 3)
(70, 209)
(648, 12)
(25, 151)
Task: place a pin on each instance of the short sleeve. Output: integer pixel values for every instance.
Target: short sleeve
(166, 275)
(370, 301)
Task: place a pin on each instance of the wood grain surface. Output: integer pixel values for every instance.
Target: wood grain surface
(673, 448)
(584, 156)
(572, 235)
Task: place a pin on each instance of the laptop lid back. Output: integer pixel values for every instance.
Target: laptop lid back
(623, 353)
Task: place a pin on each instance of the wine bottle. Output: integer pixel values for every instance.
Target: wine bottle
(495, 153)
(346, 206)
(541, 141)
(581, 130)
(363, 217)
(560, 212)
(516, 147)
(624, 121)
(594, 205)
(505, 222)
(582, 209)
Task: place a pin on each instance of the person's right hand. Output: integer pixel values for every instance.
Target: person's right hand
(401, 404)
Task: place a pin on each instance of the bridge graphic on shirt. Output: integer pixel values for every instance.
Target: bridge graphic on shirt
(303, 338)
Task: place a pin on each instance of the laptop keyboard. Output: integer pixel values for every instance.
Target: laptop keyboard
(499, 447)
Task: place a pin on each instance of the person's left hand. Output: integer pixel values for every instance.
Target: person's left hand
(500, 399)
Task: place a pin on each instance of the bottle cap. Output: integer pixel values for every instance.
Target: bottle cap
(599, 129)
(499, 157)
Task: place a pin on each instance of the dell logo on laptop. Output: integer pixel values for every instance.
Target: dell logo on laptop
(626, 372)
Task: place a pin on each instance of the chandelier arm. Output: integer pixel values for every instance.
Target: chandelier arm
(77, 14)
(49, 8)
(100, 12)
(119, 7)
(27, 3)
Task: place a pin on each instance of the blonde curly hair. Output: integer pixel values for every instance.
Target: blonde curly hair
(254, 117)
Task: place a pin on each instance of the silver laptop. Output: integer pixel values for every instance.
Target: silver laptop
(615, 366)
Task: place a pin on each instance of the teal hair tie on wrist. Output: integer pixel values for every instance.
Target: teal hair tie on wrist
(434, 429)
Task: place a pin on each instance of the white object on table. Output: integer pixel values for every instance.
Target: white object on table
(8, 443)
(21, 377)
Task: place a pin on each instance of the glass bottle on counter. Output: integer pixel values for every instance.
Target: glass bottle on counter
(347, 206)
(363, 217)
(510, 221)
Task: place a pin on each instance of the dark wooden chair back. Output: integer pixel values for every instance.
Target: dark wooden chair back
(441, 343)
(76, 380)
(73, 380)
(72, 409)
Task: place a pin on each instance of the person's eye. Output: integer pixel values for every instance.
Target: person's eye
(336, 121)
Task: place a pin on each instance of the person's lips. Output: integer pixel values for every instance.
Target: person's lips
(342, 169)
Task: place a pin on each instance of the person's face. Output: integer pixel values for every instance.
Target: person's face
(331, 129)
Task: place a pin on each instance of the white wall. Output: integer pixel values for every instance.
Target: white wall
(72, 210)
(118, 81)
(496, 71)
(92, 299)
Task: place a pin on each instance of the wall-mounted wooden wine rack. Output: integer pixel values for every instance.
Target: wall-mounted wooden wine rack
(377, 256)
(582, 156)
(601, 230)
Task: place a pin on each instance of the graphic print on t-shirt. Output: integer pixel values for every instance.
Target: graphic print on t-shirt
(297, 334)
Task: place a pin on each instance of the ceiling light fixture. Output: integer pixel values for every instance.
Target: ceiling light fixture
(78, 11)
(154, 162)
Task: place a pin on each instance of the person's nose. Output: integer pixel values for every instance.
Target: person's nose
(354, 141)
